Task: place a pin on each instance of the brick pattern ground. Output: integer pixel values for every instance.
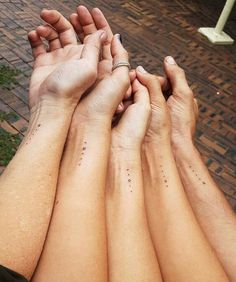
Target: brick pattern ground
(150, 30)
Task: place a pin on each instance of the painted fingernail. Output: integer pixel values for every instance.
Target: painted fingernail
(119, 37)
(103, 35)
(170, 60)
(120, 107)
(141, 69)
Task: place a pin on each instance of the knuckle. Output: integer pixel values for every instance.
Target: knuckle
(180, 71)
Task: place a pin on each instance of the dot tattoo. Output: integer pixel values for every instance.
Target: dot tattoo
(164, 176)
(82, 153)
(196, 174)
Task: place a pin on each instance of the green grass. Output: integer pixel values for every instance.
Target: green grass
(8, 146)
(8, 76)
(8, 142)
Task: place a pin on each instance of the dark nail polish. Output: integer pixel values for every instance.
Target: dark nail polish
(120, 38)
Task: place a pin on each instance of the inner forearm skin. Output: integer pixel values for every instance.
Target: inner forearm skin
(210, 206)
(27, 189)
(131, 253)
(176, 234)
(76, 247)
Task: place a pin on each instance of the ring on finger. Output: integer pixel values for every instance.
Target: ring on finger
(121, 64)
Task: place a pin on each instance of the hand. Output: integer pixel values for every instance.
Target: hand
(132, 127)
(160, 127)
(67, 70)
(182, 106)
(86, 23)
(102, 101)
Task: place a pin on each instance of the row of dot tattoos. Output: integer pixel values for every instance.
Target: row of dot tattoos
(129, 179)
(82, 152)
(198, 177)
(36, 129)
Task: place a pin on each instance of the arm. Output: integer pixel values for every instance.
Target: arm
(177, 237)
(209, 204)
(78, 223)
(28, 188)
(131, 253)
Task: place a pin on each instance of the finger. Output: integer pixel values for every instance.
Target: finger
(119, 54)
(120, 108)
(86, 20)
(92, 46)
(101, 23)
(152, 83)
(196, 109)
(61, 25)
(132, 76)
(74, 19)
(141, 95)
(177, 78)
(50, 35)
(36, 44)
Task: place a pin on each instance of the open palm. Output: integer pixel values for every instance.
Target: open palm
(67, 69)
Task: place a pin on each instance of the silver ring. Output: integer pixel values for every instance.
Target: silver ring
(121, 64)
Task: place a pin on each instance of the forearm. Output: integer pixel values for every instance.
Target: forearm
(79, 212)
(28, 189)
(131, 253)
(208, 201)
(172, 222)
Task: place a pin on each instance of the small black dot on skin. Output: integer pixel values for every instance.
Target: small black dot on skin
(199, 179)
(131, 191)
(84, 148)
(162, 170)
(127, 169)
(165, 181)
(192, 170)
(190, 166)
(128, 174)
(39, 125)
(196, 174)
(129, 180)
(203, 182)
(85, 142)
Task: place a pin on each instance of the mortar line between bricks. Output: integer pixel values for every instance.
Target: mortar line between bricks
(14, 110)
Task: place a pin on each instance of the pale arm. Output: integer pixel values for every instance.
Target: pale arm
(131, 253)
(76, 248)
(27, 188)
(209, 204)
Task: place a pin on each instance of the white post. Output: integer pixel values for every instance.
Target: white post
(217, 35)
(224, 16)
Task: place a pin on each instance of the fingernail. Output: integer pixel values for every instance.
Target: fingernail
(170, 60)
(119, 37)
(120, 107)
(103, 35)
(141, 69)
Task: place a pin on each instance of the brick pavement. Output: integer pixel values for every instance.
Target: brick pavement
(150, 30)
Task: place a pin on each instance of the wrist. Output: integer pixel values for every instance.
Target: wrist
(51, 109)
(92, 129)
(184, 150)
(120, 157)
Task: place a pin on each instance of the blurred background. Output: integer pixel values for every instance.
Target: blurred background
(150, 30)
